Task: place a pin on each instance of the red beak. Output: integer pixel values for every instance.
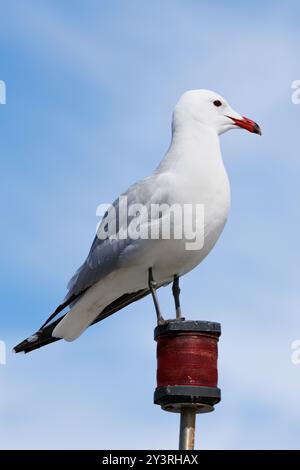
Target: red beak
(247, 124)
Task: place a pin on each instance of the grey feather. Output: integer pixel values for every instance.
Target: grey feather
(105, 255)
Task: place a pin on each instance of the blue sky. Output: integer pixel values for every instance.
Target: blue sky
(90, 90)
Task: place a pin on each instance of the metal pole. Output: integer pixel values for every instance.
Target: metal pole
(187, 428)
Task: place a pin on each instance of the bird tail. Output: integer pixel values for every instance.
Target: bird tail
(44, 335)
(67, 326)
(76, 321)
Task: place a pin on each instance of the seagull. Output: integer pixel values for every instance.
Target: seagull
(122, 267)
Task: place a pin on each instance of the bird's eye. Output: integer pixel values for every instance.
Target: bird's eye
(217, 103)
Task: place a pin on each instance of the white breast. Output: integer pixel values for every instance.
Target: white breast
(197, 176)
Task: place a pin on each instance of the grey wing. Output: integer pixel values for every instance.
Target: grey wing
(104, 255)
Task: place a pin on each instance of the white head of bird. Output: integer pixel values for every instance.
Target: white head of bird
(208, 109)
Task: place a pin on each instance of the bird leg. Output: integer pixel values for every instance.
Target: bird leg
(152, 286)
(176, 294)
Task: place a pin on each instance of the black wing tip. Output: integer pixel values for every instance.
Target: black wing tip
(17, 349)
(28, 346)
(44, 336)
(21, 347)
(41, 338)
